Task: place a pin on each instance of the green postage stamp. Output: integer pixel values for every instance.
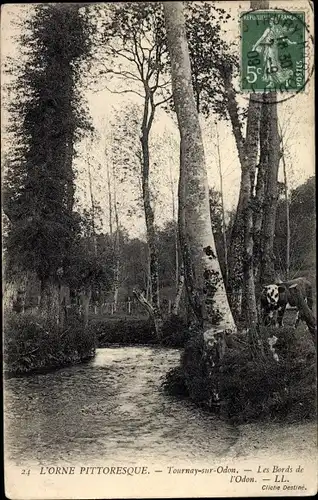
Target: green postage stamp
(273, 51)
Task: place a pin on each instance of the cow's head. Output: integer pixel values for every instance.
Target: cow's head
(270, 294)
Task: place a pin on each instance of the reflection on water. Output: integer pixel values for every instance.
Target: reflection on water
(109, 409)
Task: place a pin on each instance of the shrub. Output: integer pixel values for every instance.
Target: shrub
(31, 343)
(175, 332)
(174, 383)
(253, 384)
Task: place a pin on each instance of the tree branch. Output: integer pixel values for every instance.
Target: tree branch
(234, 117)
(163, 101)
(125, 91)
(137, 58)
(124, 74)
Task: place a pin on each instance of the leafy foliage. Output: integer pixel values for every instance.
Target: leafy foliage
(31, 343)
(211, 58)
(46, 118)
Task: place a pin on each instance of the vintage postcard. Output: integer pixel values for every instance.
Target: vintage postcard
(159, 259)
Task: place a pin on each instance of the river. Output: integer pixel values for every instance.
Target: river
(113, 408)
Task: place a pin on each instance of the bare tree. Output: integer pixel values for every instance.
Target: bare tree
(135, 43)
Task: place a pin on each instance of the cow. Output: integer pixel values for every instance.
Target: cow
(276, 297)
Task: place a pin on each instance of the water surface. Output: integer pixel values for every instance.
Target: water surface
(111, 408)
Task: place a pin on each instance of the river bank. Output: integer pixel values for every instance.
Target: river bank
(33, 345)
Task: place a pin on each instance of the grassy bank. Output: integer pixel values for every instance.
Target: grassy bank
(274, 383)
(31, 344)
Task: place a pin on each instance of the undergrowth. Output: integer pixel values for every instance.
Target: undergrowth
(32, 344)
(256, 381)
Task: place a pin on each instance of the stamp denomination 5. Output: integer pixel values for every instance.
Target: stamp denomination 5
(273, 51)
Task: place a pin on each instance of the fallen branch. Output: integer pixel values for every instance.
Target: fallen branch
(155, 316)
(144, 302)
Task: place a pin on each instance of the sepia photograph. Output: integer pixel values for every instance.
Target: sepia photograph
(159, 249)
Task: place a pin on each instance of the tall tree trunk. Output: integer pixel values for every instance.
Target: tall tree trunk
(116, 245)
(226, 276)
(251, 153)
(148, 116)
(176, 229)
(211, 313)
(203, 277)
(258, 205)
(286, 206)
(90, 183)
(241, 252)
(179, 290)
(271, 157)
(110, 202)
(236, 244)
(50, 301)
(241, 248)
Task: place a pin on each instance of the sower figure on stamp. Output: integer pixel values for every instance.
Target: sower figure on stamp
(273, 68)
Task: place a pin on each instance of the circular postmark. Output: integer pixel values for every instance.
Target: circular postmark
(276, 54)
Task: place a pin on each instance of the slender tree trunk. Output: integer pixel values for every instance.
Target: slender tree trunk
(153, 314)
(287, 208)
(116, 245)
(90, 182)
(241, 250)
(258, 203)
(176, 228)
(271, 158)
(85, 298)
(110, 201)
(236, 244)
(226, 276)
(148, 279)
(179, 290)
(149, 214)
(251, 148)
